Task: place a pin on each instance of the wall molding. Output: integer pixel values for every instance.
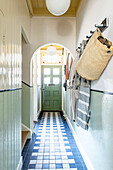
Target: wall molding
(99, 91)
(83, 153)
(25, 128)
(6, 90)
(24, 36)
(19, 167)
(27, 84)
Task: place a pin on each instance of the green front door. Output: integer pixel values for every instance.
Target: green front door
(51, 88)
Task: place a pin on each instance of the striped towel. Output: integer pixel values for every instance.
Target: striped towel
(83, 104)
(74, 83)
(74, 103)
(83, 107)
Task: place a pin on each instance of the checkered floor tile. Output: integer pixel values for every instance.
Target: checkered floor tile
(52, 146)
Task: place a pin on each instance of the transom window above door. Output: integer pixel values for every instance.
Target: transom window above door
(55, 59)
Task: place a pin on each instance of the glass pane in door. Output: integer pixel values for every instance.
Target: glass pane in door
(46, 80)
(46, 71)
(56, 71)
(56, 80)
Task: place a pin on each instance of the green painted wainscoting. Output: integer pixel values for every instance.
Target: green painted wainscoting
(27, 119)
(10, 129)
(98, 140)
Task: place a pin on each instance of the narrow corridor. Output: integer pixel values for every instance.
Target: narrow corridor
(52, 146)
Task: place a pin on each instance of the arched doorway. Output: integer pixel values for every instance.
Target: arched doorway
(47, 78)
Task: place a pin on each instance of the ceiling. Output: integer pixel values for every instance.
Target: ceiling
(38, 8)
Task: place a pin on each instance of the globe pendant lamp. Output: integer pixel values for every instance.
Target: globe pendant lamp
(57, 7)
(51, 51)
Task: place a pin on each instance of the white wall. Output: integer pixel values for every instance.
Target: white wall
(97, 141)
(90, 13)
(50, 30)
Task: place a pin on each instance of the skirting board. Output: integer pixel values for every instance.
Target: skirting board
(64, 114)
(19, 167)
(83, 153)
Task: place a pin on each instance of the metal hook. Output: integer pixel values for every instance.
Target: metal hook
(88, 37)
(91, 32)
(103, 25)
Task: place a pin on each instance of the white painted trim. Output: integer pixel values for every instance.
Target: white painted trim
(25, 128)
(24, 35)
(83, 153)
(20, 164)
(64, 113)
(38, 113)
(33, 54)
(52, 17)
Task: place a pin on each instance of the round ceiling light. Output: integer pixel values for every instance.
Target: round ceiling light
(51, 50)
(57, 7)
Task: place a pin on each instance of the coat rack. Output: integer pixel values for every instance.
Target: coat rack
(103, 26)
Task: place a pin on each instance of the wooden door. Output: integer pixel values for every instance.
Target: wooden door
(51, 88)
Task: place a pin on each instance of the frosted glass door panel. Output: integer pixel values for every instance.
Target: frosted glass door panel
(46, 71)
(56, 80)
(56, 71)
(46, 80)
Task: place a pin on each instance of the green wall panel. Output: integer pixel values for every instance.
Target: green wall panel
(27, 105)
(19, 110)
(5, 128)
(1, 130)
(97, 141)
(10, 129)
(9, 122)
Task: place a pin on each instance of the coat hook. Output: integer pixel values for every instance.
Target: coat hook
(91, 32)
(88, 37)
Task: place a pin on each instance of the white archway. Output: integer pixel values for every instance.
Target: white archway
(39, 49)
(35, 99)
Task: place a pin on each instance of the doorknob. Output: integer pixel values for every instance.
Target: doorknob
(42, 89)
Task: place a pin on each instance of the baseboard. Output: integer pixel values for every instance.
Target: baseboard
(64, 113)
(19, 167)
(83, 153)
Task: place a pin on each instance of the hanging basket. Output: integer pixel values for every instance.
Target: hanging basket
(95, 57)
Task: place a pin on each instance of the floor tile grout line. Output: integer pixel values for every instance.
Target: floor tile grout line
(53, 125)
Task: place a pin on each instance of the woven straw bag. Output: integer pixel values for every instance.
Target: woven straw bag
(95, 57)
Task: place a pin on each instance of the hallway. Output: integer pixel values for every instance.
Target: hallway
(52, 146)
(62, 64)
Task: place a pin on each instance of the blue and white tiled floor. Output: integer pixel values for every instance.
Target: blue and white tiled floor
(52, 146)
